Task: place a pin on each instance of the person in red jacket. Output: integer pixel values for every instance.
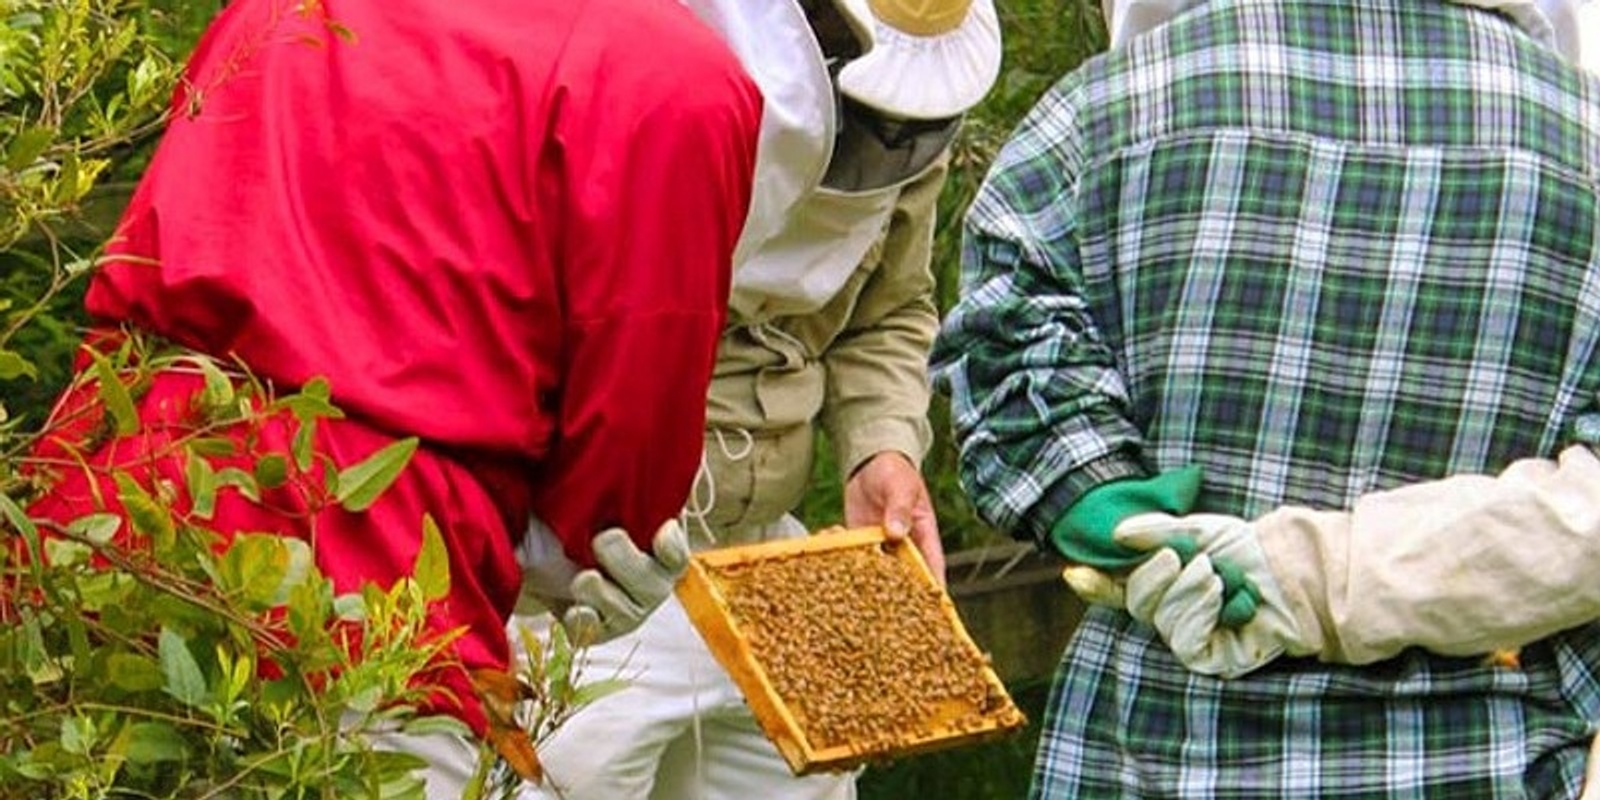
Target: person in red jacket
(498, 226)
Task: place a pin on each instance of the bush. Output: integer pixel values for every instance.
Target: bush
(142, 653)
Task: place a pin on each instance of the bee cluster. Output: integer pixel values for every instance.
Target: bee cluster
(862, 648)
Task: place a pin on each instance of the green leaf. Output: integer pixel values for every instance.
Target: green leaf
(155, 743)
(595, 690)
(558, 669)
(255, 565)
(13, 366)
(218, 393)
(272, 471)
(132, 672)
(435, 725)
(243, 481)
(78, 735)
(115, 396)
(185, 682)
(432, 570)
(28, 146)
(318, 387)
(366, 699)
(148, 517)
(18, 519)
(66, 553)
(360, 485)
(213, 446)
(202, 480)
(349, 608)
(306, 408)
(97, 528)
(101, 590)
(303, 446)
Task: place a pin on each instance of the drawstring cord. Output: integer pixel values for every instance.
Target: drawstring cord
(703, 494)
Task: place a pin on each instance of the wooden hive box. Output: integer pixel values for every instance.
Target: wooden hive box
(846, 649)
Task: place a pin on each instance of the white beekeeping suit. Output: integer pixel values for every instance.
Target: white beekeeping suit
(1588, 15)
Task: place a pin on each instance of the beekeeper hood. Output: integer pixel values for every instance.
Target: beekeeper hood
(775, 44)
(1553, 22)
(862, 96)
(929, 59)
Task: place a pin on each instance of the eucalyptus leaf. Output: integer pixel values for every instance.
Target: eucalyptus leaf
(360, 485)
(98, 528)
(432, 569)
(155, 743)
(202, 480)
(28, 146)
(115, 396)
(13, 366)
(184, 680)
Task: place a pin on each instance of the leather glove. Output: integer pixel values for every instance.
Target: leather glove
(1209, 629)
(1461, 566)
(630, 583)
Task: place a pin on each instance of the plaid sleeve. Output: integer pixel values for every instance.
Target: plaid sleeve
(1039, 410)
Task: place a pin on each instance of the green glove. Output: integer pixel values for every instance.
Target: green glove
(1083, 534)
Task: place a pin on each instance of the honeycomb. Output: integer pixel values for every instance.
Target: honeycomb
(846, 649)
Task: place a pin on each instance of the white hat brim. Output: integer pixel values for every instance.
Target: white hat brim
(925, 77)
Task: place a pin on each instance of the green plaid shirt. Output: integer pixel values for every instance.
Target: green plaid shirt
(1319, 248)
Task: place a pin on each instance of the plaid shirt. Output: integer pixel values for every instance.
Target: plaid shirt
(1319, 248)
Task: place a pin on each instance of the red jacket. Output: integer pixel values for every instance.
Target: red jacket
(503, 226)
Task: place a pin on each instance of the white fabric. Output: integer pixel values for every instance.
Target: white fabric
(1553, 22)
(924, 77)
(1466, 565)
(1589, 48)
(775, 44)
(452, 759)
(1461, 566)
(1183, 602)
(802, 267)
(1126, 19)
(680, 731)
(800, 242)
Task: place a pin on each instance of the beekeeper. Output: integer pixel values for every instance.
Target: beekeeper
(1269, 252)
(370, 210)
(832, 314)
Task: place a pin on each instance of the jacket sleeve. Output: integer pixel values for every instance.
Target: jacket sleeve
(1040, 412)
(877, 368)
(657, 172)
(1461, 566)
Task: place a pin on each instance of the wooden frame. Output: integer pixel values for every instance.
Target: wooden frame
(703, 597)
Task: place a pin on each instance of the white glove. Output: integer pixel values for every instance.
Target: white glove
(613, 602)
(1184, 602)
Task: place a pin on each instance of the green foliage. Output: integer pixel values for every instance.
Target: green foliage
(83, 84)
(142, 653)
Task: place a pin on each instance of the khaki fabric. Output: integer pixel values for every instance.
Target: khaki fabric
(1460, 566)
(857, 367)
